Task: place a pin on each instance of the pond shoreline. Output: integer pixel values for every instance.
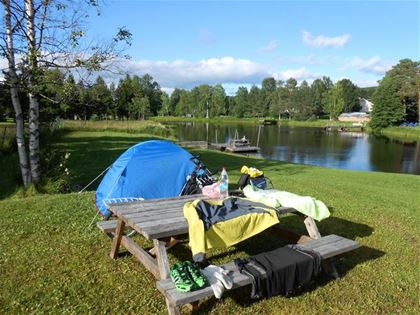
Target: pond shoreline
(397, 133)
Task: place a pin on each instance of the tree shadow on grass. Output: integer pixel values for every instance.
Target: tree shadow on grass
(266, 241)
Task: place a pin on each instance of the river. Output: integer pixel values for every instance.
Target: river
(314, 146)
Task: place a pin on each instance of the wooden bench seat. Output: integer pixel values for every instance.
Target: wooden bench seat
(328, 246)
(107, 226)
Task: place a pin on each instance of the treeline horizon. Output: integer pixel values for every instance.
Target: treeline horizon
(136, 97)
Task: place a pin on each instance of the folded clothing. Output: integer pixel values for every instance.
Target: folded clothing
(286, 269)
(275, 198)
(218, 278)
(222, 223)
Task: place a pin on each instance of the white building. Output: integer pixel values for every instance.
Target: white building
(365, 105)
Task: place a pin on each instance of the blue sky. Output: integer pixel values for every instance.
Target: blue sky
(183, 44)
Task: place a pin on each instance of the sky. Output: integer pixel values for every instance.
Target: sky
(186, 43)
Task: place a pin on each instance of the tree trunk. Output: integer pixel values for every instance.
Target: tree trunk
(20, 132)
(33, 97)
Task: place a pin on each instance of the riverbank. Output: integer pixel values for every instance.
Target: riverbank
(398, 133)
(69, 269)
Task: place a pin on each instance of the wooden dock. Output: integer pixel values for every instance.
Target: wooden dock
(235, 149)
(268, 121)
(194, 144)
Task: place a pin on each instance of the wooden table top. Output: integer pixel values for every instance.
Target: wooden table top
(155, 218)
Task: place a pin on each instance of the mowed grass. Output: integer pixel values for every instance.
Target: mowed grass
(51, 262)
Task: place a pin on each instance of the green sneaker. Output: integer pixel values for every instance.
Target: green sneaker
(181, 278)
(199, 279)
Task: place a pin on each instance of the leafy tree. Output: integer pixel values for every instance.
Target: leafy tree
(5, 106)
(217, 101)
(151, 90)
(351, 96)
(320, 89)
(268, 87)
(290, 102)
(255, 102)
(387, 108)
(183, 106)
(124, 93)
(304, 102)
(402, 82)
(166, 105)
(335, 103)
(139, 107)
(175, 98)
(279, 101)
(101, 98)
(240, 102)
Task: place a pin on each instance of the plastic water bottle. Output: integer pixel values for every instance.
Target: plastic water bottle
(224, 184)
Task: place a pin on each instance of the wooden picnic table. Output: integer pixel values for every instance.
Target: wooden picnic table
(161, 221)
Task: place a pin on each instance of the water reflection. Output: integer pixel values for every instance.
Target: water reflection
(346, 150)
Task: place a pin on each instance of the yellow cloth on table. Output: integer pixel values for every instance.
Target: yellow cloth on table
(226, 233)
(251, 171)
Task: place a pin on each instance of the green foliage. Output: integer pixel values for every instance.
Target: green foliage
(335, 102)
(387, 108)
(139, 107)
(240, 102)
(397, 97)
(350, 95)
(320, 89)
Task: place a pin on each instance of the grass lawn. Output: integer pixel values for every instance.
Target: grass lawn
(51, 262)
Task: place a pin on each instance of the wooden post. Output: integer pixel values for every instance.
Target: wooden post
(163, 266)
(313, 232)
(259, 132)
(117, 238)
(312, 228)
(162, 258)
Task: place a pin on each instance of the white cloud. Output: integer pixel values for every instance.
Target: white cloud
(273, 44)
(183, 73)
(298, 74)
(324, 41)
(375, 65)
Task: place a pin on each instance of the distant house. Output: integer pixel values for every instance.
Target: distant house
(363, 116)
(365, 105)
(356, 117)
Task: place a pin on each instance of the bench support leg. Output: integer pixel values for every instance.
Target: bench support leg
(172, 242)
(313, 232)
(162, 258)
(117, 238)
(312, 228)
(163, 266)
(172, 310)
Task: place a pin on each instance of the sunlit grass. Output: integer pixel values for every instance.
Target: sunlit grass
(51, 262)
(403, 133)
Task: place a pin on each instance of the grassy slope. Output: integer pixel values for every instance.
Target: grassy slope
(51, 262)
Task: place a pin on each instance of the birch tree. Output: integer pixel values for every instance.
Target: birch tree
(12, 80)
(50, 34)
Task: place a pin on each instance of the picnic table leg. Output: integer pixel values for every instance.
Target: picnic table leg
(117, 238)
(313, 232)
(163, 266)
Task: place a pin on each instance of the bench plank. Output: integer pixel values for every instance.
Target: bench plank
(107, 226)
(327, 246)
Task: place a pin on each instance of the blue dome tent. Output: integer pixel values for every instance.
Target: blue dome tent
(148, 170)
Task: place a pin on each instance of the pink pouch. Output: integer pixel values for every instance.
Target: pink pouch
(212, 191)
